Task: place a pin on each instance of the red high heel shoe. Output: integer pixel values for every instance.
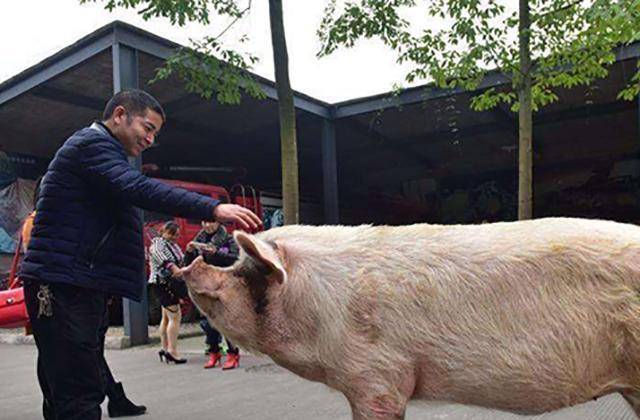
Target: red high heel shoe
(214, 359)
(232, 362)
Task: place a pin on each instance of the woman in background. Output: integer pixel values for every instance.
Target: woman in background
(165, 260)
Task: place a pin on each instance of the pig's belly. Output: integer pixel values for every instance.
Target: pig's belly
(523, 374)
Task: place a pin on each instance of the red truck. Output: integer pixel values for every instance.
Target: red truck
(244, 196)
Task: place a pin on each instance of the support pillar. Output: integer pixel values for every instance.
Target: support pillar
(125, 75)
(329, 172)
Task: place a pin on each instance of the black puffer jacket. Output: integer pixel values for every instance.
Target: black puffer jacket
(87, 231)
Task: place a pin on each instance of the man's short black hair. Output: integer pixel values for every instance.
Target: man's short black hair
(135, 101)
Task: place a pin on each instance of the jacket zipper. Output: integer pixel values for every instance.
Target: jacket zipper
(103, 241)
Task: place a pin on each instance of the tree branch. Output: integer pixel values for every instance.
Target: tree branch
(240, 15)
(561, 9)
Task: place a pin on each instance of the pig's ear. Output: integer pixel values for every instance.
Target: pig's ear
(262, 252)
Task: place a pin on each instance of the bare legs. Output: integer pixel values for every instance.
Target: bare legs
(169, 329)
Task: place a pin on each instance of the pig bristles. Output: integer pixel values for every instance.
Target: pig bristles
(526, 316)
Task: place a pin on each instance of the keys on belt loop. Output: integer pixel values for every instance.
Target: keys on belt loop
(45, 298)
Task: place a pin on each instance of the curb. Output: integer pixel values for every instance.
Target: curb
(110, 342)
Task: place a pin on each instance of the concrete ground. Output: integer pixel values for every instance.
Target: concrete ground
(259, 390)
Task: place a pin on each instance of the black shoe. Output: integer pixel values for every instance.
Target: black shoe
(120, 406)
(169, 358)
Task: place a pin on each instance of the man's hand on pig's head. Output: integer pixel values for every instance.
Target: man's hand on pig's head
(235, 297)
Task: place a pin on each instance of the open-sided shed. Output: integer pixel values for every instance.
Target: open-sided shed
(420, 155)
(42, 106)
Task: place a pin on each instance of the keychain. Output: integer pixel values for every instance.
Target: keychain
(44, 295)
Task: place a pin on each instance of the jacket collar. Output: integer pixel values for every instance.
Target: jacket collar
(102, 127)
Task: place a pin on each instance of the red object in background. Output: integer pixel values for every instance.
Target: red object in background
(13, 310)
(244, 196)
(189, 228)
(247, 196)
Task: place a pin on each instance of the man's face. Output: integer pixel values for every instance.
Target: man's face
(136, 132)
(210, 227)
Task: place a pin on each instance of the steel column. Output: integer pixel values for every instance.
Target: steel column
(329, 172)
(125, 75)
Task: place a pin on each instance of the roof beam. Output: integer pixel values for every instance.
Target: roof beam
(194, 129)
(302, 119)
(144, 41)
(70, 98)
(435, 138)
(538, 119)
(128, 35)
(98, 104)
(426, 93)
(53, 66)
(163, 48)
(409, 97)
(627, 52)
(184, 102)
(300, 102)
(376, 139)
(584, 111)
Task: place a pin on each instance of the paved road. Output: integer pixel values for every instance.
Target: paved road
(257, 391)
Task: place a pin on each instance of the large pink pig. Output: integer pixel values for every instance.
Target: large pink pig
(524, 316)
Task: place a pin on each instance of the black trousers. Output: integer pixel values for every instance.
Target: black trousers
(214, 337)
(72, 371)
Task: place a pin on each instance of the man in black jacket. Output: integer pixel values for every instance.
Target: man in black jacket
(87, 244)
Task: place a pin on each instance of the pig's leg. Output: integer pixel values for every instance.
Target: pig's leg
(376, 399)
(633, 398)
(377, 408)
(630, 358)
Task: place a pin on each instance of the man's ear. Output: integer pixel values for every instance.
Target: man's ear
(263, 253)
(119, 114)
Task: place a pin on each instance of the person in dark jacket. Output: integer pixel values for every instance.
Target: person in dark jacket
(215, 245)
(86, 244)
(119, 404)
(218, 248)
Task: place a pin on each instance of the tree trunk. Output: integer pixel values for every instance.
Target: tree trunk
(525, 117)
(288, 146)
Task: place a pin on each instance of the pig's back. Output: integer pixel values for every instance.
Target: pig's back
(460, 248)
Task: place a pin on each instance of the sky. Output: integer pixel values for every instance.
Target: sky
(32, 30)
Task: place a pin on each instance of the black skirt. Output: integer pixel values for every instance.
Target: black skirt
(166, 295)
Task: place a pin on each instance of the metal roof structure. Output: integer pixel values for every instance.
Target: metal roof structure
(416, 155)
(345, 149)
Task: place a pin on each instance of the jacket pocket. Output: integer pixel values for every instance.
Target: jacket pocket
(100, 246)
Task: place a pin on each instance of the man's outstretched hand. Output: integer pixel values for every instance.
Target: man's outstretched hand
(245, 218)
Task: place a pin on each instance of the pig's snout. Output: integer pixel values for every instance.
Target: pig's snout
(199, 276)
(187, 273)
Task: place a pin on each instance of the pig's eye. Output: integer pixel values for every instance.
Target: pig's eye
(240, 273)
